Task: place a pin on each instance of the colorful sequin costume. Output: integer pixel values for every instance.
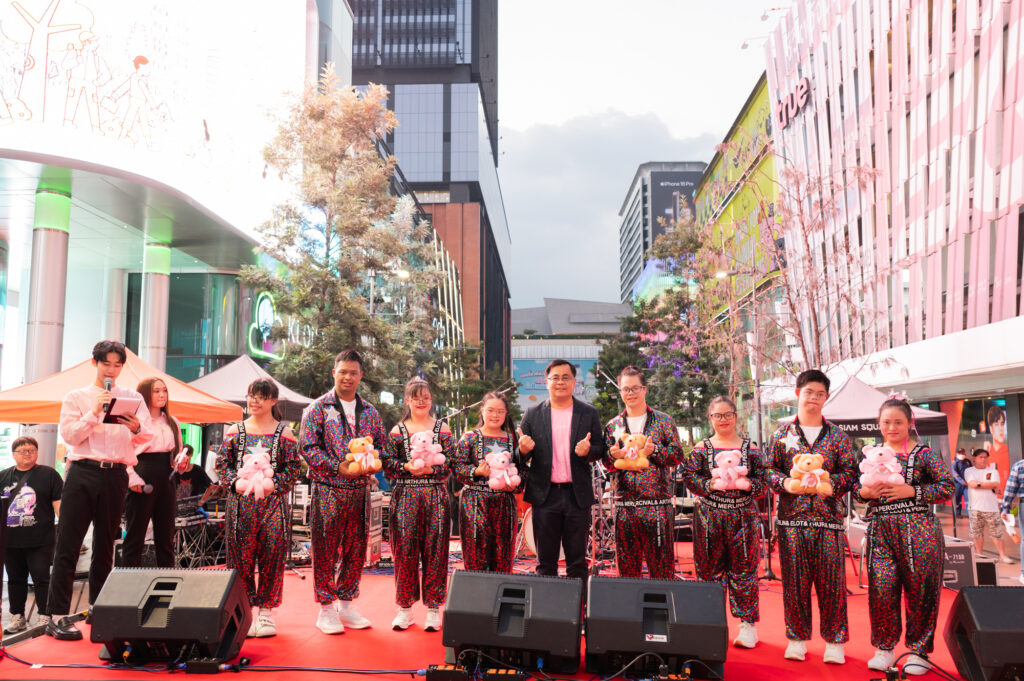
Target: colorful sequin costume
(487, 517)
(257, 533)
(644, 515)
(726, 526)
(338, 515)
(810, 531)
(420, 522)
(905, 553)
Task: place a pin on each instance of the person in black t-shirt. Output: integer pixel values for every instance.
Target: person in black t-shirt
(33, 499)
(194, 481)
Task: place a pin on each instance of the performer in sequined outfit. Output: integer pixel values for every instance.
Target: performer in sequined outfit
(420, 522)
(810, 526)
(644, 514)
(905, 543)
(487, 517)
(257, 531)
(339, 499)
(726, 526)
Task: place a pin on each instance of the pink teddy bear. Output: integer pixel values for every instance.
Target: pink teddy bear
(728, 473)
(880, 465)
(256, 476)
(424, 452)
(504, 474)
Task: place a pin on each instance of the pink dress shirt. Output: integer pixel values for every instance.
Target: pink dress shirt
(561, 434)
(163, 437)
(89, 438)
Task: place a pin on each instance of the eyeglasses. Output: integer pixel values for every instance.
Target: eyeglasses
(256, 399)
(724, 416)
(561, 379)
(813, 394)
(30, 450)
(421, 400)
(634, 390)
(495, 412)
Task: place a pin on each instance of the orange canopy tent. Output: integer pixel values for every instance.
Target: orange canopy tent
(39, 401)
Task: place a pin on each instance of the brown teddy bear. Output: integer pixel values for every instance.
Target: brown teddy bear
(362, 458)
(635, 459)
(807, 476)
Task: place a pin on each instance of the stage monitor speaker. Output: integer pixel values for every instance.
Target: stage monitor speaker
(517, 619)
(166, 615)
(985, 632)
(680, 621)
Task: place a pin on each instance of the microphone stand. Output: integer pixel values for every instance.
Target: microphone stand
(599, 523)
(769, 538)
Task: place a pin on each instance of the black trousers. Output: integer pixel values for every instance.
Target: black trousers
(91, 495)
(561, 521)
(160, 505)
(22, 562)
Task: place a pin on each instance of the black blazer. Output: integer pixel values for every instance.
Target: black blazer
(537, 424)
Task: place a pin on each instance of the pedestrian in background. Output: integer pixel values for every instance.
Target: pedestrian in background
(960, 464)
(1014, 491)
(982, 483)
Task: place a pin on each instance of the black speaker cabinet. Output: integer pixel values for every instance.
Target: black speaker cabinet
(678, 620)
(985, 632)
(517, 619)
(171, 614)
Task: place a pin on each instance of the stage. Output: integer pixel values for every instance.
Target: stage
(299, 644)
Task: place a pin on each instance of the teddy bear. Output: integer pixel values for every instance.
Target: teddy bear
(256, 476)
(635, 459)
(807, 475)
(728, 473)
(880, 465)
(423, 452)
(503, 473)
(362, 458)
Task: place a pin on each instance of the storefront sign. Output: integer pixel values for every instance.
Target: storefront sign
(787, 109)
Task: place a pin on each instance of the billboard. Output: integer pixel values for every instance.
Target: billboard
(529, 374)
(671, 196)
(180, 92)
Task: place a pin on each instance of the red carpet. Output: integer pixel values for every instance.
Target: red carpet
(299, 643)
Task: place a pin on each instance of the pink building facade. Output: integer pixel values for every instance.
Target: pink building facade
(930, 95)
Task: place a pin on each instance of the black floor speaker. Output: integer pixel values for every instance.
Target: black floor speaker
(985, 632)
(166, 615)
(682, 622)
(517, 619)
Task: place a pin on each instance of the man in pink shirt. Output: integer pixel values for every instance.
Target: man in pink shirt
(98, 458)
(558, 439)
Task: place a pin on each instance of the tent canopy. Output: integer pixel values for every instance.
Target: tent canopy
(40, 401)
(854, 409)
(231, 380)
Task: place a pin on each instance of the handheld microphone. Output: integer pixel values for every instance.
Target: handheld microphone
(108, 384)
(147, 488)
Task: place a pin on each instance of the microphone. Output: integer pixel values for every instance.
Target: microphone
(108, 384)
(147, 488)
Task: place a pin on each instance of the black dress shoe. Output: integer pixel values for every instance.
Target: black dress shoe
(63, 629)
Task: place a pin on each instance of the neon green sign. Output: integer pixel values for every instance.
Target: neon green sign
(265, 316)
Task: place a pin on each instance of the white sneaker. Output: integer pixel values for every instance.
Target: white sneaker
(882, 660)
(265, 624)
(747, 636)
(403, 620)
(916, 665)
(327, 621)
(255, 626)
(350, 617)
(834, 653)
(17, 624)
(43, 620)
(796, 650)
(433, 620)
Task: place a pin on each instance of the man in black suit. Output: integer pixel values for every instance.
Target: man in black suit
(558, 439)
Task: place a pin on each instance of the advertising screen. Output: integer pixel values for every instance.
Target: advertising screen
(180, 92)
(671, 196)
(529, 374)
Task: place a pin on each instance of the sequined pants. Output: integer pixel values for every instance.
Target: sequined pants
(258, 536)
(488, 524)
(726, 549)
(419, 531)
(813, 556)
(905, 555)
(644, 533)
(338, 526)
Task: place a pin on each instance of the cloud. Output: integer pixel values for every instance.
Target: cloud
(563, 186)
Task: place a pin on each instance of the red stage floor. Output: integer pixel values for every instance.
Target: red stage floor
(299, 643)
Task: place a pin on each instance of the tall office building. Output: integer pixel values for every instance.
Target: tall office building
(438, 58)
(658, 190)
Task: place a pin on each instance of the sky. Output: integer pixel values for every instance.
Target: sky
(589, 90)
